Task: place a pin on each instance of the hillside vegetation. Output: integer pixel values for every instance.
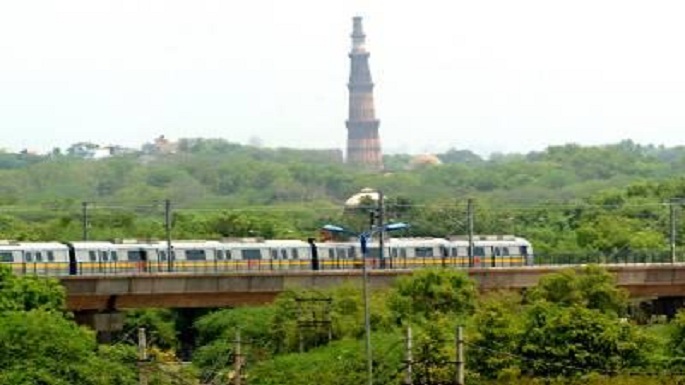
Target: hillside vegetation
(568, 200)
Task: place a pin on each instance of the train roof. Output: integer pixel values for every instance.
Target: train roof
(414, 241)
(191, 244)
(286, 242)
(90, 244)
(33, 246)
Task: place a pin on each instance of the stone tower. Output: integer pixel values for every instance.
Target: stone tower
(363, 142)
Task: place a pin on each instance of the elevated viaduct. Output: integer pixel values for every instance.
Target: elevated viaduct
(203, 290)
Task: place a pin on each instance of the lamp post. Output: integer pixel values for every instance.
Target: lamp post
(363, 239)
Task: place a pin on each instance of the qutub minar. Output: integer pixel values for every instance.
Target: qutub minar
(363, 142)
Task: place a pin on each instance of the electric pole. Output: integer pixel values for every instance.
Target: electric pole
(672, 209)
(84, 219)
(408, 358)
(237, 359)
(381, 224)
(142, 357)
(167, 229)
(460, 355)
(469, 214)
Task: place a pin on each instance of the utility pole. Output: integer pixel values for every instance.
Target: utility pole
(237, 359)
(408, 358)
(672, 208)
(142, 357)
(381, 224)
(84, 219)
(469, 214)
(167, 229)
(460, 355)
(363, 240)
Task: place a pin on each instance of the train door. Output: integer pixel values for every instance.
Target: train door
(496, 255)
(251, 258)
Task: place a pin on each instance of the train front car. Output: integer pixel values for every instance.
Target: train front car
(492, 251)
(37, 258)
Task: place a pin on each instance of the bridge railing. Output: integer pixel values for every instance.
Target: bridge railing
(621, 257)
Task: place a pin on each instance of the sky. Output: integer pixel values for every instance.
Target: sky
(486, 75)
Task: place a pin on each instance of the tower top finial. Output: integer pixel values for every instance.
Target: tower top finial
(358, 37)
(357, 30)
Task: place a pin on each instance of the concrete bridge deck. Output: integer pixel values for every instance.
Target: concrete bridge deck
(176, 290)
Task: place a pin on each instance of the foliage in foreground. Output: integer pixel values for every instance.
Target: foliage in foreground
(568, 329)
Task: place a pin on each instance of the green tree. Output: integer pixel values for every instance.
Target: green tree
(592, 288)
(569, 341)
(430, 292)
(29, 293)
(498, 324)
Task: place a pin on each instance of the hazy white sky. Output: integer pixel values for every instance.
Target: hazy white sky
(486, 75)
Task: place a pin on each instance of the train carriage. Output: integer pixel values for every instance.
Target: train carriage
(287, 254)
(188, 256)
(408, 253)
(338, 255)
(240, 255)
(39, 258)
(491, 251)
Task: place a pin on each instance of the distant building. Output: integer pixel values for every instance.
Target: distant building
(365, 196)
(424, 160)
(160, 145)
(363, 141)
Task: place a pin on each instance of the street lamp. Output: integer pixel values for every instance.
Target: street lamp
(363, 238)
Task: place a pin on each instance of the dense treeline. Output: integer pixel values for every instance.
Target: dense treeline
(208, 172)
(598, 203)
(572, 328)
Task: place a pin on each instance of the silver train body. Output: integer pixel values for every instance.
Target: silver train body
(96, 258)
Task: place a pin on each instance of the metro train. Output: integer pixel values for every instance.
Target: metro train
(154, 256)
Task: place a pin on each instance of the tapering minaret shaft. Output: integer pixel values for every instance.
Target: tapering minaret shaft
(363, 141)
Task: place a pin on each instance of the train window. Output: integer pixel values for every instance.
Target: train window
(479, 251)
(505, 251)
(39, 256)
(296, 254)
(284, 254)
(403, 253)
(92, 256)
(274, 254)
(162, 255)
(196, 255)
(423, 251)
(228, 254)
(29, 257)
(135, 255)
(331, 253)
(219, 254)
(342, 253)
(105, 256)
(6, 256)
(51, 256)
(251, 254)
(114, 256)
(524, 250)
